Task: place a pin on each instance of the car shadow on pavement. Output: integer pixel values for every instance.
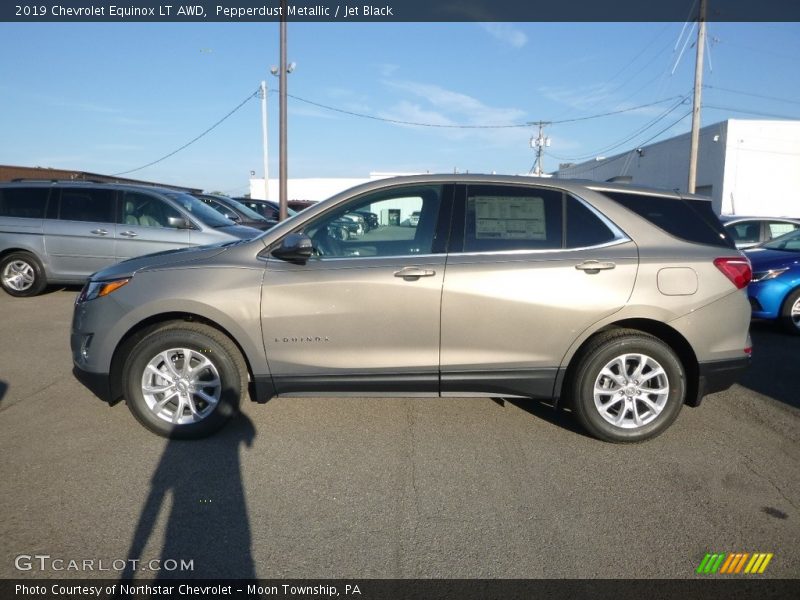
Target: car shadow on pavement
(3, 390)
(555, 415)
(199, 483)
(775, 370)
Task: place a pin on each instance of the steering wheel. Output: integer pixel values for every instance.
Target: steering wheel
(324, 244)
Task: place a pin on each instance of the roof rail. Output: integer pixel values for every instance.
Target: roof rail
(620, 179)
(54, 180)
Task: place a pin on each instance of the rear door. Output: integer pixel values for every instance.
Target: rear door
(80, 238)
(529, 270)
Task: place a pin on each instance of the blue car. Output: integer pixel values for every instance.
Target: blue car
(775, 288)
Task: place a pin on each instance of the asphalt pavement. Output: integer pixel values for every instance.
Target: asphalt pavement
(385, 488)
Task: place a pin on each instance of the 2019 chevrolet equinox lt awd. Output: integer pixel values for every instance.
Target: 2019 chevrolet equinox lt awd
(623, 302)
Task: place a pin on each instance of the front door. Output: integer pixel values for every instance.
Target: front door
(364, 313)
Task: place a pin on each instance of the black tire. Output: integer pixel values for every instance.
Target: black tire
(625, 409)
(22, 275)
(177, 410)
(792, 303)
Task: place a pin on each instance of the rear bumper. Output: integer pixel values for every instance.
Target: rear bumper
(719, 375)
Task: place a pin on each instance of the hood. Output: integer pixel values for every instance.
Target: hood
(764, 259)
(240, 231)
(168, 258)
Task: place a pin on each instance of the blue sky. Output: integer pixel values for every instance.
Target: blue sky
(109, 98)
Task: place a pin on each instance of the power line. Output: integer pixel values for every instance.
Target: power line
(628, 137)
(648, 140)
(189, 143)
(461, 126)
(713, 87)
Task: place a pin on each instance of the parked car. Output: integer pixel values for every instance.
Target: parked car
(236, 211)
(751, 231)
(370, 219)
(266, 208)
(622, 302)
(774, 291)
(61, 232)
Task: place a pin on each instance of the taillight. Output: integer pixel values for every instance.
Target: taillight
(735, 268)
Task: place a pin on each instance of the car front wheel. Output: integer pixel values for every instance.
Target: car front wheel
(790, 313)
(184, 380)
(628, 386)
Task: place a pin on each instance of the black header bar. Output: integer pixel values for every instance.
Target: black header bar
(397, 11)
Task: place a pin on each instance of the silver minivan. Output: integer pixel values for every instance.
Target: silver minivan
(57, 232)
(624, 303)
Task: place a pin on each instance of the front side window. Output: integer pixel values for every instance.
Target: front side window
(778, 228)
(146, 211)
(87, 204)
(506, 218)
(396, 222)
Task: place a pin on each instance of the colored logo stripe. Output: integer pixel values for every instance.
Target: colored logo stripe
(732, 563)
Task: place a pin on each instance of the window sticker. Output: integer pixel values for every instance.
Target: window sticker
(508, 218)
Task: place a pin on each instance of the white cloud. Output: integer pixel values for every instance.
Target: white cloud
(434, 105)
(506, 33)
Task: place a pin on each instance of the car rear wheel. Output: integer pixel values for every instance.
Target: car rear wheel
(790, 313)
(184, 380)
(628, 386)
(21, 274)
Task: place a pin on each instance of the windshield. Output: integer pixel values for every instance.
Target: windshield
(789, 242)
(201, 211)
(246, 210)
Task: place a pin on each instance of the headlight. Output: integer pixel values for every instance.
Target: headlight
(96, 289)
(767, 275)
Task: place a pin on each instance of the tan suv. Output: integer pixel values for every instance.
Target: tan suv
(623, 302)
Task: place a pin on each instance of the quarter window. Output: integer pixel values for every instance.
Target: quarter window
(23, 202)
(584, 227)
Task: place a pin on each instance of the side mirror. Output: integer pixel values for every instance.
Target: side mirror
(232, 216)
(178, 223)
(295, 248)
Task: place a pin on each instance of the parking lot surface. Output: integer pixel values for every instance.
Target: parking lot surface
(386, 488)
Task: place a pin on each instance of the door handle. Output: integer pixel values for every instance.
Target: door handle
(414, 273)
(592, 267)
(129, 234)
(99, 231)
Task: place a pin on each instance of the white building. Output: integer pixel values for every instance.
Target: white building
(747, 167)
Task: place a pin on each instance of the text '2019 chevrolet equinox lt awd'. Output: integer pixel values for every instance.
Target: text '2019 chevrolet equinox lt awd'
(623, 302)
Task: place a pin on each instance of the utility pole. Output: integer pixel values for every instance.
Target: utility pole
(539, 143)
(283, 185)
(698, 88)
(265, 137)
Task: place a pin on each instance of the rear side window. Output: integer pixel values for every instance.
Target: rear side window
(502, 218)
(745, 232)
(86, 204)
(23, 202)
(689, 220)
